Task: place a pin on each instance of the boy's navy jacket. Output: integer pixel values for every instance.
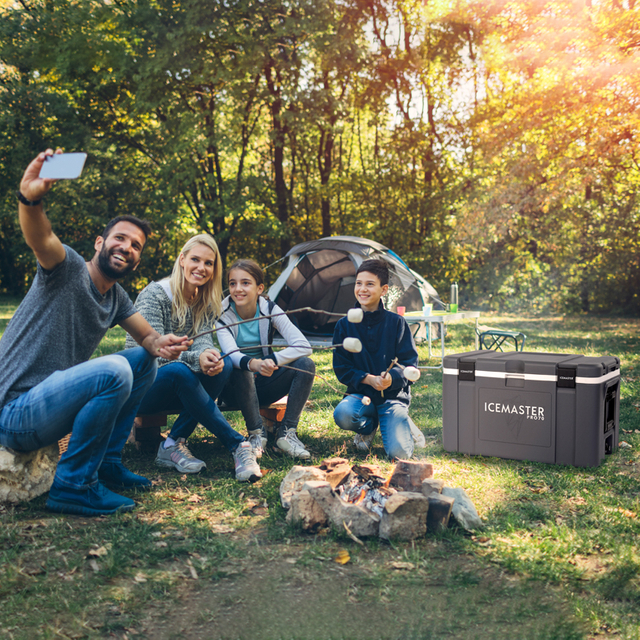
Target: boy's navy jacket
(384, 336)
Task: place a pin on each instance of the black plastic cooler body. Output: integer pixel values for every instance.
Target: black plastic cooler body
(543, 407)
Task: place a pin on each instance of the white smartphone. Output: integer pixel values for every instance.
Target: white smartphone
(63, 166)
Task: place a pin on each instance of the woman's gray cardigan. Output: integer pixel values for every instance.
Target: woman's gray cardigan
(154, 303)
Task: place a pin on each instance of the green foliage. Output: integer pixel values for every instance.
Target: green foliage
(485, 142)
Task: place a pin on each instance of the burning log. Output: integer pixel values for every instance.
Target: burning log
(439, 512)
(328, 464)
(367, 471)
(409, 474)
(338, 475)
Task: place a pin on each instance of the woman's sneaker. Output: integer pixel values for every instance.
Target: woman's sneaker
(258, 440)
(179, 458)
(290, 444)
(247, 469)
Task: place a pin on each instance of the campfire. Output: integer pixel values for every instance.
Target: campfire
(364, 501)
(366, 487)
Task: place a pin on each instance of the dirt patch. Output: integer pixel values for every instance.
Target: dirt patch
(288, 595)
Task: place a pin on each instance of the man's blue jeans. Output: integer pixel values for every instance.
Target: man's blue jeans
(177, 389)
(96, 401)
(352, 414)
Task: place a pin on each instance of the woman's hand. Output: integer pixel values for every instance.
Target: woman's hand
(211, 363)
(263, 367)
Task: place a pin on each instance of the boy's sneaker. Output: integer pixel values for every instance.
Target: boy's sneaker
(417, 435)
(97, 500)
(179, 458)
(362, 442)
(258, 440)
(290, 444)
(247, 469)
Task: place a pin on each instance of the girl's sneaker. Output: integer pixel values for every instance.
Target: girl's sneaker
(258, 440)
(290, 444)
(247, 469)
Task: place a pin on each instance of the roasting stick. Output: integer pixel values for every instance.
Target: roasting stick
(350, 344)
(384, 375)
(409, 372)
(364, 400)
(354, 315)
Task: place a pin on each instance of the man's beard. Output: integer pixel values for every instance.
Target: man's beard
(106, 268)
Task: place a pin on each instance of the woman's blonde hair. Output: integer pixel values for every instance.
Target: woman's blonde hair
(208, 303)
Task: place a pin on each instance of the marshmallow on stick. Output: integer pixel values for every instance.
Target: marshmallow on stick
(354, 315)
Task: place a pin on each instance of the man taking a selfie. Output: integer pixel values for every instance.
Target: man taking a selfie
(49, 387)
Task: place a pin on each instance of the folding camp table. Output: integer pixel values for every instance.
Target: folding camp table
(441, 318)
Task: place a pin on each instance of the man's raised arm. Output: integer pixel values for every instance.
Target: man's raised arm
(34, 223)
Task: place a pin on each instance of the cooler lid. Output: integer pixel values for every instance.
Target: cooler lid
(543, 367)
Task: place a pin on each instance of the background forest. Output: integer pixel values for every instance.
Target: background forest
(492, 142)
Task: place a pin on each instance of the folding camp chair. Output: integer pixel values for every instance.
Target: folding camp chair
(493, 339)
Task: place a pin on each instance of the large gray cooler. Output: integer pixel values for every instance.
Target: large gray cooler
(543, 407)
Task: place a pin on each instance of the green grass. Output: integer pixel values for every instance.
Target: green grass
(206, 557)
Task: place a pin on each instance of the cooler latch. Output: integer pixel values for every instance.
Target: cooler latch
(566, 378)
(467, 371)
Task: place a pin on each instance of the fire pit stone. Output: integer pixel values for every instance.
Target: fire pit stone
(361, 522)
(295, 479)
(431, 485)
(404, 516)
(463, 510)
(306, 512)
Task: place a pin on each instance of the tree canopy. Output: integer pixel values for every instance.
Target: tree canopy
(488, 142)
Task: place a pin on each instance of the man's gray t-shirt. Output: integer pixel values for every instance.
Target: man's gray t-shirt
(58, 325)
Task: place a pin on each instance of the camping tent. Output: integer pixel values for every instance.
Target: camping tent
(321, 274)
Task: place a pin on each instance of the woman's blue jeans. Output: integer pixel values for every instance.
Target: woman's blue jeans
(352, 414)
(96, 401)
(177, 389)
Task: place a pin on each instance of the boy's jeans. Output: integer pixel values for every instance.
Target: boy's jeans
(177, 389)
(352, 414)
(96, 401)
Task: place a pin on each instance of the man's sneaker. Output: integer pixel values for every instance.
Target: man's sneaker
(362, 442)
(417, 435)
(258, 440)
(290, 444)
(115, 474)
(179, 458)
(97, 500)
(247, 469)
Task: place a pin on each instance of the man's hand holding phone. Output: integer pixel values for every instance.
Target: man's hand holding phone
(48, 167)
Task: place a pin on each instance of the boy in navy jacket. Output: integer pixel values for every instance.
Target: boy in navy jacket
(384, 336)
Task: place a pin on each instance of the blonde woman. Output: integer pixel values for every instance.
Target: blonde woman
(191, 300)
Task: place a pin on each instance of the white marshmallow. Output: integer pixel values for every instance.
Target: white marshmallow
(353, 345)
(366, 400)
(355, 315)
(411, 373)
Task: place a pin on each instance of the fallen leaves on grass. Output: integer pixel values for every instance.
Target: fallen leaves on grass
(99, 552)
(402, 566)
(343, 557)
